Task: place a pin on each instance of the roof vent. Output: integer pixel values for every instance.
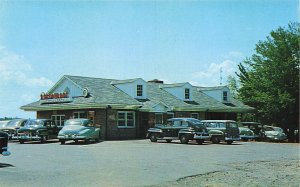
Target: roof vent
(156, 81)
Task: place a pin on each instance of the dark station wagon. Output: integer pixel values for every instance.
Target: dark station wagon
(183, 129)
(222, 130)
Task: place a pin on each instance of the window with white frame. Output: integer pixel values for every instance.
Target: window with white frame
(195, 115)
(126, 119)
(80, 114)
(225, 97)
(59, 119)
(187, 93)
(139, 90)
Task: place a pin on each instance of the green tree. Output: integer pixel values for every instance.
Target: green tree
(270, 78)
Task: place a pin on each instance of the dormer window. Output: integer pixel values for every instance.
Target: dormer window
(139, 90)
(225, 96)
(187, 93)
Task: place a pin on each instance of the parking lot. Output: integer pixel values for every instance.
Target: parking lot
(142, 163)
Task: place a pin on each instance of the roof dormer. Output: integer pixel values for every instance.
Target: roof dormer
(136, 88)
(220, 93)
(183, 91)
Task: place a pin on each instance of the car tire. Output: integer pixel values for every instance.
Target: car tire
(62, 142)
(169, 141)
(87, 141)
(76, 141)
(215, 140)
(153, 138)
(184, 139)
(229, 142)
(21, 141)
(200, 142)
(245, 139)
(43, 139)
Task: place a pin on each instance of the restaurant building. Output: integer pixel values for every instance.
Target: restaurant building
(125, 109)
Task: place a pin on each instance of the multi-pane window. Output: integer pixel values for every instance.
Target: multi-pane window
(59, 119)
(80, 114)
(225, 98)
(139, 90)
(195, 115)
(187, 93)
(126, 119)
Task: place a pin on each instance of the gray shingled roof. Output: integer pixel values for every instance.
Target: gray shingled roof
(103, 93)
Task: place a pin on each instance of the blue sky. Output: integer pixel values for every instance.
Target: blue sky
(175, 41)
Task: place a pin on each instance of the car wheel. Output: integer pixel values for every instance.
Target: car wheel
(153, 138)
(229, 142)
(245, 139)
(169, 141)
(62, 142)
(21, 141)
(76, 141)
(200, 142)
(87, 141)
(43, 139)
(215, 140)
(184, 139)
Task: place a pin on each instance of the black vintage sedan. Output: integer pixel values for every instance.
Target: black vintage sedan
(183, 129)
(38, 130)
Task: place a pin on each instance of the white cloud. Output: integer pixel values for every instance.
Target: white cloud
(211, 75)
(15, 69)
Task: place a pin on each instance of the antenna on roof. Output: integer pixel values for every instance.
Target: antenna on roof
(221, 78)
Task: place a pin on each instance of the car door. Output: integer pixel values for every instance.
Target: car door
(177, 127)
(168, 129)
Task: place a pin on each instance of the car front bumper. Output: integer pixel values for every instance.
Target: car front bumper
(71, 137)
(29, 138)
(201, 137)
(232, 139)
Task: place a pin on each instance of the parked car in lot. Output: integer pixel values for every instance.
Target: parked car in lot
(184, 129)
(246, 134)
(79, 129)
(4, 144)
(254, 126)
(222, 130)
(38, 130)
(271, 133)
(12, 126)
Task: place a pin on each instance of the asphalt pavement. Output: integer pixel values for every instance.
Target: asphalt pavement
(129, 163)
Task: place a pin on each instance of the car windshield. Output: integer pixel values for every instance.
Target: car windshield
(13, 123)
(34, 122)
(269, 129)
(75, 122)
(197, 122)
(278, 129)
(232, 125)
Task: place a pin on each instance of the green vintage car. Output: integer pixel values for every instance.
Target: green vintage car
(79, 129)
(222, 130)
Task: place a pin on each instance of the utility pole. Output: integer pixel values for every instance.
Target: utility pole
(221, 77)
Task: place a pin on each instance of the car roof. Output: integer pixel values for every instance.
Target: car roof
(250, 122)
(185, 119)
(217, 121)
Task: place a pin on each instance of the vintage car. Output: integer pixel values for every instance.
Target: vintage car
(38, 130)
(12, 126)
(246, 134)
(79, 129)
(254, 126)
(184, 129)
(225, 130)
(3, 144)
(271, 133)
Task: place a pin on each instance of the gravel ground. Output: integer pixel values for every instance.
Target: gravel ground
(248, 174)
